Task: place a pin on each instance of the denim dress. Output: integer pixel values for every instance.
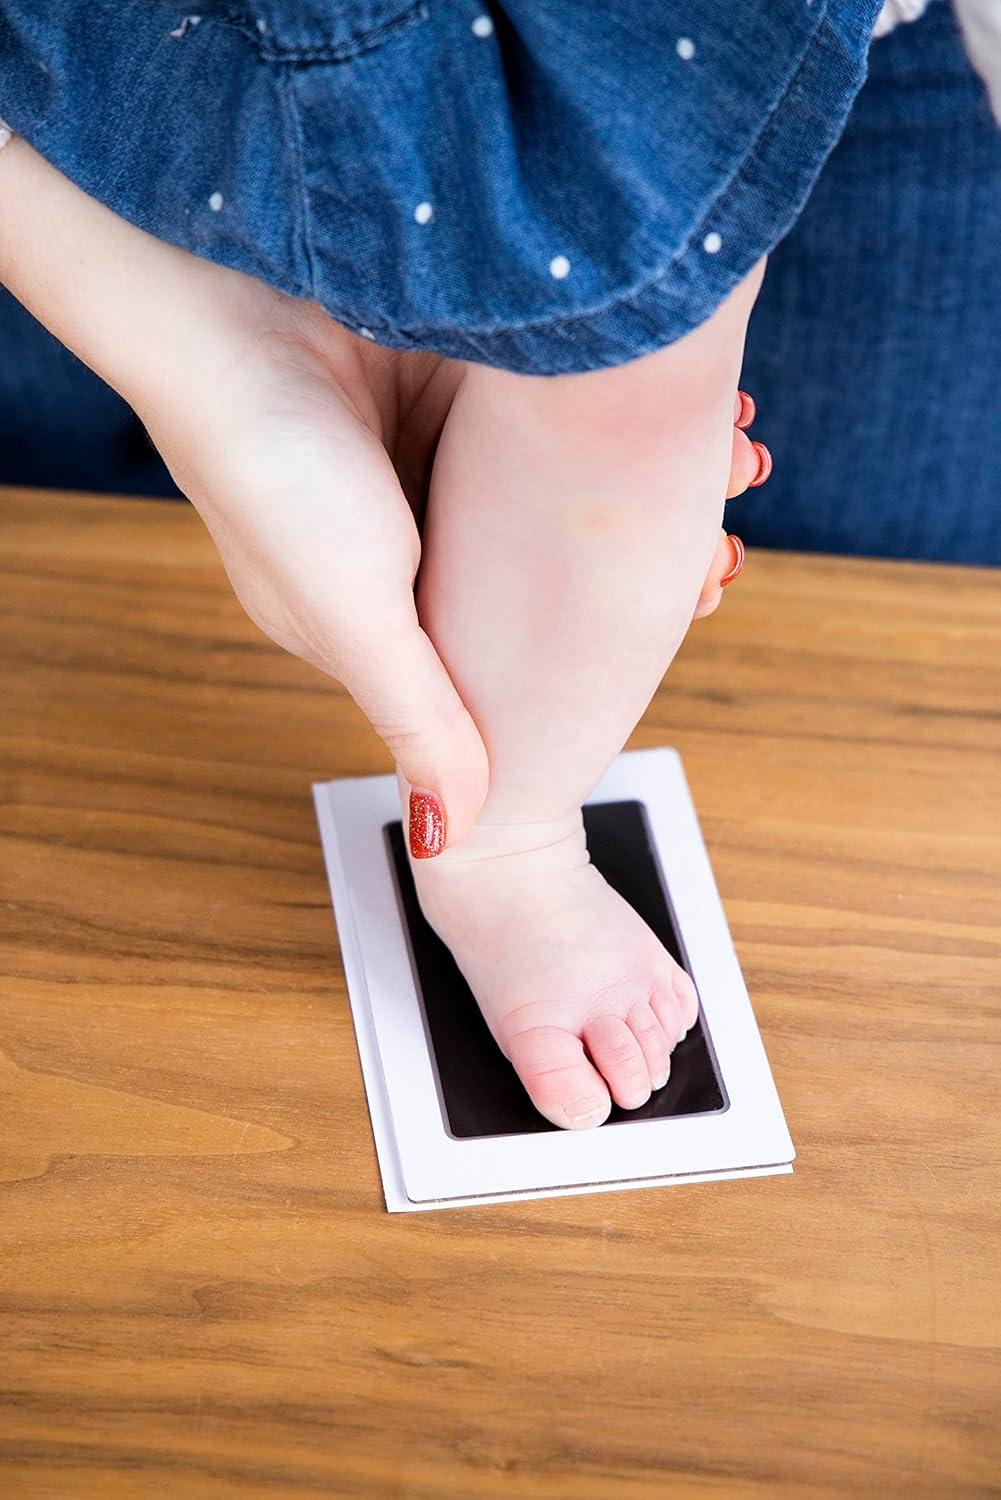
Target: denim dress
(542, 185)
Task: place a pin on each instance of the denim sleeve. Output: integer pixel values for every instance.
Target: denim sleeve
(542, 185)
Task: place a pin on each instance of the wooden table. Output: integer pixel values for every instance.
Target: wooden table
(201, 1292)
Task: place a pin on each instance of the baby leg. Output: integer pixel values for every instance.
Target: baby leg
(570, 527)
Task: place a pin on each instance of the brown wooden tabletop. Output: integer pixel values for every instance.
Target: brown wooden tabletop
(201, 1293)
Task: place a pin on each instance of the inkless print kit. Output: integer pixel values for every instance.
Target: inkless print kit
(452, 1123)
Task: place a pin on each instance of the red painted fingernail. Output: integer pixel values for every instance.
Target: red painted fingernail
(427, 825)
(739, 553)
(764, 466)
(748, 410)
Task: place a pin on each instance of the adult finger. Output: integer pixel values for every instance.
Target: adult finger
(728, 561)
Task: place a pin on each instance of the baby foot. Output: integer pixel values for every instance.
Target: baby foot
(577, 990)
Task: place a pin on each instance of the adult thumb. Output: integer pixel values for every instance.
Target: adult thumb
(402, 686)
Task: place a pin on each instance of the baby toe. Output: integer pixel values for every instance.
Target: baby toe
(688, 998)
(618, 1057)
(667, 1008)
(650, 1034)
(558, 1078)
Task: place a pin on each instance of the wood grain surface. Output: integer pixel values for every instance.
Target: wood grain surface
(200, 1292)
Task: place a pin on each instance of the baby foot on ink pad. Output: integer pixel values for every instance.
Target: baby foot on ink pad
(578, 992)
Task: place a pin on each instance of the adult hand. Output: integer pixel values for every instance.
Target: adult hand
(307, 452)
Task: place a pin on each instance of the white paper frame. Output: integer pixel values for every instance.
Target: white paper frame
(422, 1165)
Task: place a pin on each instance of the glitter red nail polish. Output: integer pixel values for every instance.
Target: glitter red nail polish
(748, 411)
(764, 465)
(738, 560)
(427, 825)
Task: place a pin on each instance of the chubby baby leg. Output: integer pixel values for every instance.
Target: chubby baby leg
(570, 528)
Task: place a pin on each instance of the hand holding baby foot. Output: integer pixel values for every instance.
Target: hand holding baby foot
(571, 525)
(568, 533)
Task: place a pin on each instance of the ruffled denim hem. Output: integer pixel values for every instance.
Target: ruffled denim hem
(752, 212)
(547, 186)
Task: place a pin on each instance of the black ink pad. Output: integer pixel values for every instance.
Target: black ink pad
(479, 1090)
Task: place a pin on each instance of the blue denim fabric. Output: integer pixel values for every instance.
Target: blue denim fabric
(874, 351)
(298, 142)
